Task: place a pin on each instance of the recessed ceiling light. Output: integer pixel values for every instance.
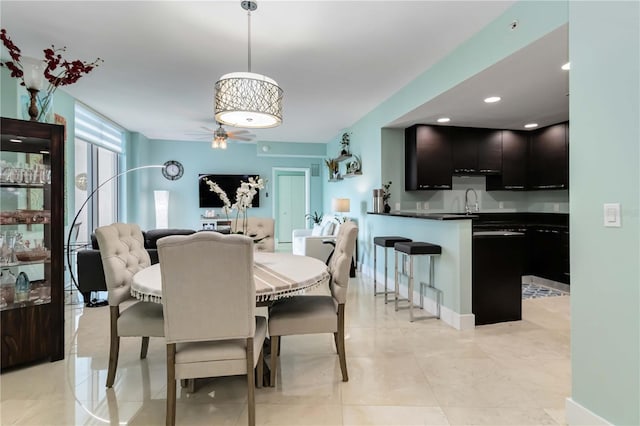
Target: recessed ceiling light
(444, 120)
(566, 66)
(492, 99)
(530, 125)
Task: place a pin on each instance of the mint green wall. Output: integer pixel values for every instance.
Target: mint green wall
(491, 44)
(9, 91)
(604, 39)
(197, 158)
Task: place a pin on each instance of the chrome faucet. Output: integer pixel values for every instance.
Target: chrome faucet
(468, 209)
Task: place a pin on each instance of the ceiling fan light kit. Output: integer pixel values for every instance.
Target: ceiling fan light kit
(247, 99)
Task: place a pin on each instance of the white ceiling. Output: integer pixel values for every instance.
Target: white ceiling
(335, 60)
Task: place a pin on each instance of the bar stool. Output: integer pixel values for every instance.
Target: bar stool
(385, 243)
(411, 249)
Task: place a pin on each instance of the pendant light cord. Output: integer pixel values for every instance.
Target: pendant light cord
(249, 38)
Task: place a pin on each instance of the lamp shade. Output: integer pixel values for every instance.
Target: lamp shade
(161, 199)
(33, 73)
(250, 100)
(341, 205)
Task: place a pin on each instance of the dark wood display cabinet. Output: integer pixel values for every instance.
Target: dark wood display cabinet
(31, 249)
(428, 158)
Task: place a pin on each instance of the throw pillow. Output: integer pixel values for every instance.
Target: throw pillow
(317, 230)
(328, 229)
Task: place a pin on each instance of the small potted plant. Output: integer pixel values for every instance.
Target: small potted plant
(386, 194)
(332, 165)
(346, 138)
(315, 218)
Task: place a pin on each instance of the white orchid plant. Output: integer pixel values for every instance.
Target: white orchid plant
(244, 198)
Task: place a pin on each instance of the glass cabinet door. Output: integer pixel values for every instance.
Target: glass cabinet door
(25, 223)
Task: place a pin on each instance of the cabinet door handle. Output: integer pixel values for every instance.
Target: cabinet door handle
(548, 186)
(514, 187)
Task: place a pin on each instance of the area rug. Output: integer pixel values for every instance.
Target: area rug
(534, 291)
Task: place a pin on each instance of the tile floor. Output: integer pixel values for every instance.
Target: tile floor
(424, 373)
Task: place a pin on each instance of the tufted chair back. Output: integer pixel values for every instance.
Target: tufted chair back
(340, 262)
(258, 228)
(123, 254)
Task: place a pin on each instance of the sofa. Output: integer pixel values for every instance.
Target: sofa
(313, 242)
(89, 263)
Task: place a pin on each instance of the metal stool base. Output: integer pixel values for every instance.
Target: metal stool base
(430, 285)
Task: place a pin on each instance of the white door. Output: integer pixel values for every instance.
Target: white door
(291, 205)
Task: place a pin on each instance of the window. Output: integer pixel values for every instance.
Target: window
(99, 146)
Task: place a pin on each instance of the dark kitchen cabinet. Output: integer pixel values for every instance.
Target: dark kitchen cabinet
(475, 150)
(497, 270)
(549, 157)
(548, 253)
(428, 158)
(515, 146)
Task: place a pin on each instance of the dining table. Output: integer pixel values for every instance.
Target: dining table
(276, 275)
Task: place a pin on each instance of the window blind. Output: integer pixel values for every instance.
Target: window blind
(97, 130)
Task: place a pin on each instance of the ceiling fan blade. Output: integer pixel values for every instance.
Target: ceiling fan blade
(208, 129)
(240, 138)
(239, 132)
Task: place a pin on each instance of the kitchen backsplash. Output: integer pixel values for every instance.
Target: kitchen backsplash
(453, 201)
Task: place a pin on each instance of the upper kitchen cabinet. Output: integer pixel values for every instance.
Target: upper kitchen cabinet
(428, 158)
(515, 145)
(476, 150)
(549, 157)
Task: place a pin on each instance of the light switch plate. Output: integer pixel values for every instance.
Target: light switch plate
(612, 215)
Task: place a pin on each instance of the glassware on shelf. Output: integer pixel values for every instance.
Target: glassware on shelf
(7, 287)
(23, 287)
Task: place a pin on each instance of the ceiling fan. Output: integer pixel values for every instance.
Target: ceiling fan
(221, 135)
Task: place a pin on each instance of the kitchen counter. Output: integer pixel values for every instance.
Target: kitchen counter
(431, 216)
(452, 232)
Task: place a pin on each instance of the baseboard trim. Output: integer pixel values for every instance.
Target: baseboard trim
(576, 414)
(458, 321)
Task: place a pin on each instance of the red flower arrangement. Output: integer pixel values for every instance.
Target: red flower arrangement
(58, 71)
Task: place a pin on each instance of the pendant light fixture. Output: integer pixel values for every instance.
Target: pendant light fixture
(247, 99)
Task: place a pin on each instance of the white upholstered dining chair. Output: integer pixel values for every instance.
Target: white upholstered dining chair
(315, 314)
(261, 229)
(209, 301)
(123, 254)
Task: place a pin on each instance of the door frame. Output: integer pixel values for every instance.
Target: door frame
(307, 188)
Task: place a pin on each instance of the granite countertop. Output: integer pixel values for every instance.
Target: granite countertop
(431, 216)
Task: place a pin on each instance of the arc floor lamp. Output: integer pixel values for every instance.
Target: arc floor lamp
(171, 170)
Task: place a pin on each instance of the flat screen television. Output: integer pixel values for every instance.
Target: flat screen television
(228, 183)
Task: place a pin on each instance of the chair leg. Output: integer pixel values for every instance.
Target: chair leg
(171, 384)
(114, 346)
(250, 383)
(145, 347)
(260, 369)
(275, 340)
(335, 339)
(341, 346)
